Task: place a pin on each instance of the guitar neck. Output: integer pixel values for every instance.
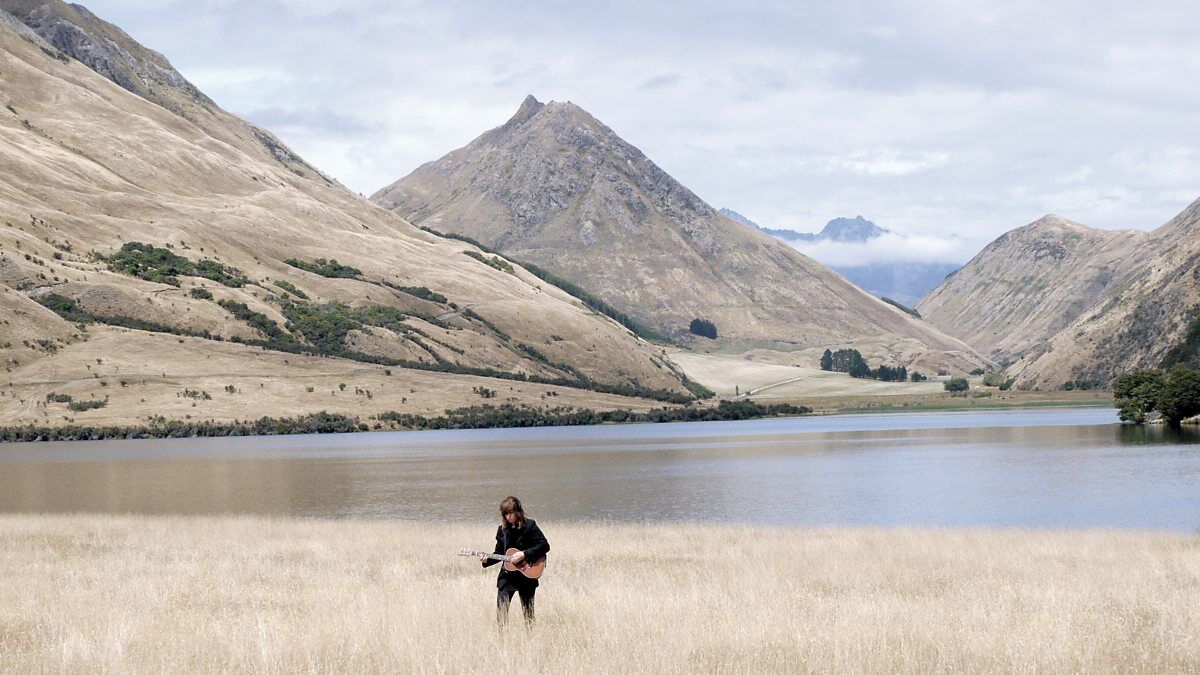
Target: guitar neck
(490, 556)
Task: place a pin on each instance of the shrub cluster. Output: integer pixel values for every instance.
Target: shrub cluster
(326, 268)
(149, 262)
(488, 417)
(956, 384)
(291, 288)
(418, 292)
(495, 261)
(81, 406)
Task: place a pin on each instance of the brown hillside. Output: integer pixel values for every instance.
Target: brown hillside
(87, 165)
(1029, 284)
(1067, 302)
(1135, 324)
(555, 187)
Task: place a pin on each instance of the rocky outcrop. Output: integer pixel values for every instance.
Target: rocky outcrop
(556, 187)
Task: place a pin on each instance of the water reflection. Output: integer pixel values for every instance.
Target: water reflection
(1074, 468)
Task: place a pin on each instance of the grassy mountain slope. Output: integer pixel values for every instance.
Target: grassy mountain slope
(557, 188)
(87, 166)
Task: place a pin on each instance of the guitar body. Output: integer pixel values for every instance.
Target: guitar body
(532, 570)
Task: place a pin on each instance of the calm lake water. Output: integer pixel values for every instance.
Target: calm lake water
(1037, 467)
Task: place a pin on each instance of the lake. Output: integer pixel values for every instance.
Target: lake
(1046, 467)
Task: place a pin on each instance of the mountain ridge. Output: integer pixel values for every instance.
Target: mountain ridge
(556, 187)
(253, 275)
(1064, 302)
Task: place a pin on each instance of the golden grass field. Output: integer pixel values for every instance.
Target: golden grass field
(239, 594)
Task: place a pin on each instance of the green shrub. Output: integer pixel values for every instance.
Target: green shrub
(956, 384)
(82, 406)
(326, 268)
(495, 261)
(290, 288)
(261, 322)
(146, 261)
(418, 292)
(200, 293)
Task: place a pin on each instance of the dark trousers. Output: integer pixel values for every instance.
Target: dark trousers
(504, 593)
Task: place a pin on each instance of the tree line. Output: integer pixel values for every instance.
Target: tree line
(851, 362)
(1174, 394)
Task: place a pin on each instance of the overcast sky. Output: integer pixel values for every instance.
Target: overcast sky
(929, 118)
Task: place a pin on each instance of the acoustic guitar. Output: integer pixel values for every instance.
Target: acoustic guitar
(532, 569)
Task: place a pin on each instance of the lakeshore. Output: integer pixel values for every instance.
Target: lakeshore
(137, 593)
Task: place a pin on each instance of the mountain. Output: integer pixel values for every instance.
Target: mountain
(903, 281)
(555, 187)
(850, 230)
(1066, 302)
(170, 259)
(844, 230)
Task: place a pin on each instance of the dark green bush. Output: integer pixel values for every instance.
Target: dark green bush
(703, 328)
(495, 261)
(956, 384)
(326, 268)
(290, 288)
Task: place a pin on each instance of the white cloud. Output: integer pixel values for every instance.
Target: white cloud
(964, 116)
(892, 247)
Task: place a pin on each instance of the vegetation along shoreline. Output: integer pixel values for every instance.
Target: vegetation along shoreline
(474, 417)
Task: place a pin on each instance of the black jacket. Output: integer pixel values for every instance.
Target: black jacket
(528, 539)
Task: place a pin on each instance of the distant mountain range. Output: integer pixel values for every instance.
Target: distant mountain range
(846, 230)
(555, 187)
(904, 282)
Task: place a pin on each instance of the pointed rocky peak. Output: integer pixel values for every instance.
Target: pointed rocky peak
(1057, 222)
(855, 229)
(529, 108)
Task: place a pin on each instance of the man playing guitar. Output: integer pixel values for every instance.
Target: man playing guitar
(520, 533)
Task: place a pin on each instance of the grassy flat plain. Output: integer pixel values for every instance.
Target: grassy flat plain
(101, 593)
(768, 379)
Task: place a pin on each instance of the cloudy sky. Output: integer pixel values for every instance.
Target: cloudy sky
(930, 118)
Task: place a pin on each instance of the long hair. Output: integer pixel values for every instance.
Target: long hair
(512, 505)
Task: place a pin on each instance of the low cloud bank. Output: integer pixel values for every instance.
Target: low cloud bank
(891, 247)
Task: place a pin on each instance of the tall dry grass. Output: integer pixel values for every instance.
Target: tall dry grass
(98, 593)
